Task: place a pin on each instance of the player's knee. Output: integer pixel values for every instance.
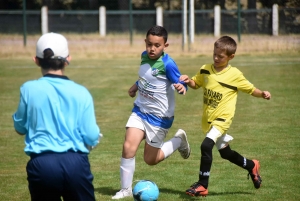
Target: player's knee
(128, 150)
(127, 145)
(206, 150)
(207, 145)
(150, 161)
(226, 153)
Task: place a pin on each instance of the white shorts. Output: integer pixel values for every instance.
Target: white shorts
(155, 136)
(218, 138)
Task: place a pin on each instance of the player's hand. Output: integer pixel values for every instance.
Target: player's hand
(132, 91)
(90, 148)
(266, 95)
(180, 88)
(184, 78)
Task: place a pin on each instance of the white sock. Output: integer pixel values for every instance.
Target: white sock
(170, 146)
(127, 168)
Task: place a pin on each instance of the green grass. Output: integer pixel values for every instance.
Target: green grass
(265, 130)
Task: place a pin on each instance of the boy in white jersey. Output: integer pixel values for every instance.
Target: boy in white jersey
(153, 111)
(221, 83)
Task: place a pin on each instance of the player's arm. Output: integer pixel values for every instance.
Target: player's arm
(247, 87)
(19, 117)
(87, 125)
(132, 90)
(20, 133)
(173, 74)
(261, 94)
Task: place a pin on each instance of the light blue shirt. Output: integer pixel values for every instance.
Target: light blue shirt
(56, 114)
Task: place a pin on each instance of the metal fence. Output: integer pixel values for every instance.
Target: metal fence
(252, 21)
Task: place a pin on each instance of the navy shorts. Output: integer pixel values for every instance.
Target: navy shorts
(52, 176)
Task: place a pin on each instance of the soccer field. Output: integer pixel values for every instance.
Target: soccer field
(264, 130)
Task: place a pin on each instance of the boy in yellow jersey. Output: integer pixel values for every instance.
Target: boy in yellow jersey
(221, 83)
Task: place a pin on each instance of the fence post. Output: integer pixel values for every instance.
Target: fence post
(239, 20)
(24, 24)
(130, 22)
(192, 22)
(44, 21)
(184, 23)
(275, 17)
(102, 21)
(217, 22)
(159, 16)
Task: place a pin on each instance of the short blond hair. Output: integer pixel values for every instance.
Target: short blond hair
(227, 44)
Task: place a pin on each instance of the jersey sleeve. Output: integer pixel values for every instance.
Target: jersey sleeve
(20, 116)
(172, 72)
(198, 78)
(89, 128)
(244, 85)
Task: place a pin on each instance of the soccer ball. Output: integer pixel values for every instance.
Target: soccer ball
(145, 190)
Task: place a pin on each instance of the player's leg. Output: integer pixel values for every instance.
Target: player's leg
(154, 140)
(199, 188)
(156, 150)
(252, 166)
(133, 137)
(45, 177)
(78, 184)
(152, 155)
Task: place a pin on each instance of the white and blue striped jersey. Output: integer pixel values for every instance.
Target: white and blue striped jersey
(155, 101)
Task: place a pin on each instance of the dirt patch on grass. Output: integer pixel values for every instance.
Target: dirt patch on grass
(119, 45)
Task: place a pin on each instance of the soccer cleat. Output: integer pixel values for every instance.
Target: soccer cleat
(184, 148)
(123, 193)
(254, 173)
(197, 190)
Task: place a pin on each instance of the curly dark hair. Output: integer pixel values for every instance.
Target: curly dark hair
(158, 31)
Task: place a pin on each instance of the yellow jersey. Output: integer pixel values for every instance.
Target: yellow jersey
(220, 91)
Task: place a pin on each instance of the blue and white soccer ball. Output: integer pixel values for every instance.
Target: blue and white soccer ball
(145, 190)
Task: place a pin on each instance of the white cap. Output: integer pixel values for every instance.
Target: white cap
(56, 42)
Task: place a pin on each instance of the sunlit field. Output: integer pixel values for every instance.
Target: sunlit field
(263, 130)
(120, 46)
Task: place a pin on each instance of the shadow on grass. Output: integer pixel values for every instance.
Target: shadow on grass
(106, 191)
(182, 195)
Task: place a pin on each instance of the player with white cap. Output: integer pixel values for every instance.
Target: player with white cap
(57, 117)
